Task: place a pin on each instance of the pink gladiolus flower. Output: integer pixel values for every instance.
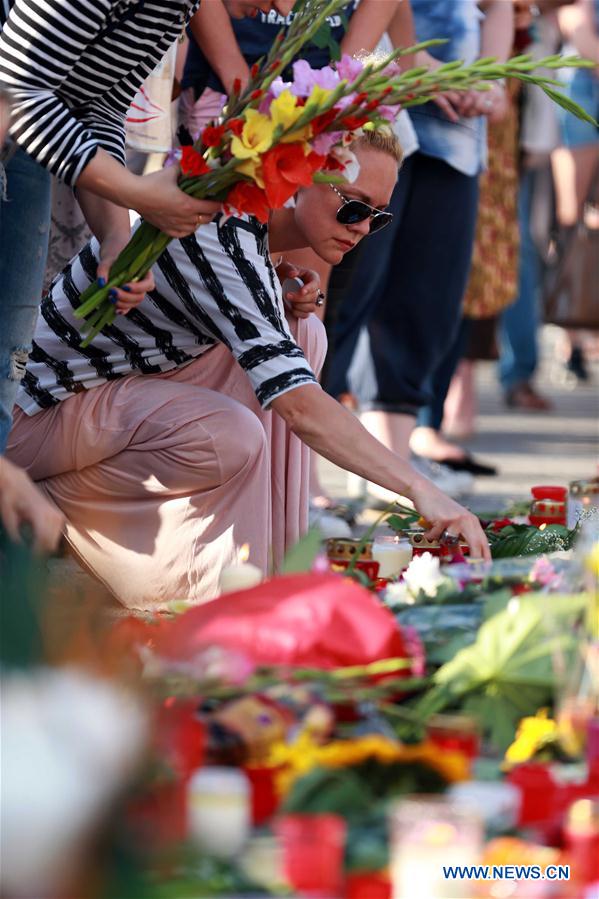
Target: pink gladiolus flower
(389, 112)
(305, 78)
(323, 143)
(349, 68)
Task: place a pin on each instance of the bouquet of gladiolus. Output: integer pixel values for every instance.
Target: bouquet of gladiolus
(277, 136)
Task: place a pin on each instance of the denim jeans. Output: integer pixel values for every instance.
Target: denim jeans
(24, 229)
(408, 286)
(519, 322)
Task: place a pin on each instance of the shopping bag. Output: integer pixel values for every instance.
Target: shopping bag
(571, 283)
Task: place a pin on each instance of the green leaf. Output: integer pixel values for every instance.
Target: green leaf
(403, 522)
(569, 105)
(300, 557)
(508, 672)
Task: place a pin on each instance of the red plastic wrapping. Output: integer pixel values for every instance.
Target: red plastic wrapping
(323, 621)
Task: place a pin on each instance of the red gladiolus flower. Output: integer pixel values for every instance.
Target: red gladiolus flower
(352, 122)
(236, 126)
(332, 164)
(321, 122)
(255, 95)
(254, 70)
(286, 167)
(250, 198)
(192, 162)
(373, 105)
(212, 135)
(237, 85)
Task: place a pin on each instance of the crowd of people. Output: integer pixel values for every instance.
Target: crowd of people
(187, 428)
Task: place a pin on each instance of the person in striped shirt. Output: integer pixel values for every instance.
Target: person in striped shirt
(184, 430)
(70, 69)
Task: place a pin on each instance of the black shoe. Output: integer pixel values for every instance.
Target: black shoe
(471, 465)
(576, 364)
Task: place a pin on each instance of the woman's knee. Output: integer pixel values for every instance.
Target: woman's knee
(311, 336)
(240, 441)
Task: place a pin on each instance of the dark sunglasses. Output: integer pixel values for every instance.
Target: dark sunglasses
(354, 211)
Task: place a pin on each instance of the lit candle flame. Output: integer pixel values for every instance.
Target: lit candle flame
(244, 552)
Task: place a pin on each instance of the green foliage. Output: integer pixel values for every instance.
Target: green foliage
(508, 673)
(403, 522)
(23, 578)
(300, 557)
(527, 540)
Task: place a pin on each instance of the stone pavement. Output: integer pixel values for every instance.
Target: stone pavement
(527, 448)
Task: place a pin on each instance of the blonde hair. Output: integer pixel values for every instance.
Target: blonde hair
(382, 139)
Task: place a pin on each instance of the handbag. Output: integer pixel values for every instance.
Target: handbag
(571, 280)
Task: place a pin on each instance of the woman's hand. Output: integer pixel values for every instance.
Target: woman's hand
(492, 103)
(160, 201)
(128, 295)
(306, 300)
(447, 515)
(22, 503)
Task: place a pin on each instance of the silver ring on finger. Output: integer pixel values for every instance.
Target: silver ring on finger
(448, 539)
(319, 299)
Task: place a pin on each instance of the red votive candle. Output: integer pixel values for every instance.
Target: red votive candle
(313, 848)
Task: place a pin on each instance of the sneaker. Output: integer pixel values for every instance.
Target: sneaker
(453, 483)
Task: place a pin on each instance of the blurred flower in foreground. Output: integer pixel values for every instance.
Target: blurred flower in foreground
(69, 742)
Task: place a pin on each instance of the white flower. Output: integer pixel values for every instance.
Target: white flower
(68, 742)
(423, 573)
(349, 161)
(397, 594)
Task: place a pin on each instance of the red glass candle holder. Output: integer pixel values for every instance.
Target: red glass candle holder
(548, 505)
(313, 848)
(455, 733)
(265, 799)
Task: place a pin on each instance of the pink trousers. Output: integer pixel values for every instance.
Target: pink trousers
(162, 478)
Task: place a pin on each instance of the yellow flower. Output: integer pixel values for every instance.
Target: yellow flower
(256, 136)
(285, 112)
(319, 95)
(253, 169)
(532, 733)
(591, 561)
(297, 758)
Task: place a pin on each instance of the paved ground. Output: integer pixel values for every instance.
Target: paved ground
(528, 448)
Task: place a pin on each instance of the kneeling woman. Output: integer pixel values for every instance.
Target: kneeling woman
(184, 430)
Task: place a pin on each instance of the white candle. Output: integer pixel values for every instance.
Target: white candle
(218, 803)
(241, 576)
(393, 555)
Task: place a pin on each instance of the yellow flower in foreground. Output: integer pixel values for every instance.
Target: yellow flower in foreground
(532, 733)
(591, 561)
(285, 112)
(256, 136)
(253, 169)
(298, 758)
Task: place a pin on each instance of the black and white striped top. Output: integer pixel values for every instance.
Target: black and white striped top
(215, 286)
(73, 67)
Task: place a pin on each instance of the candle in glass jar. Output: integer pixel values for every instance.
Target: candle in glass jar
(218, 802)
(426, 834)
(241, 575)
(393, 555)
